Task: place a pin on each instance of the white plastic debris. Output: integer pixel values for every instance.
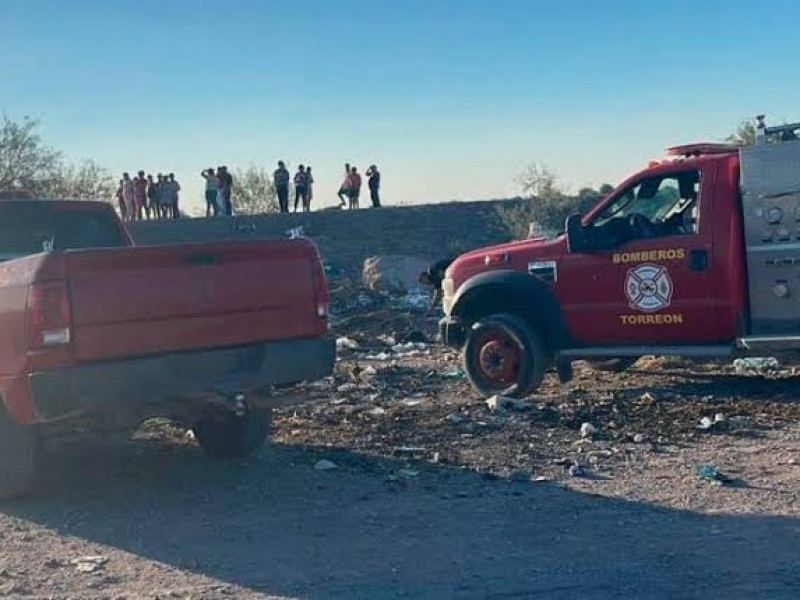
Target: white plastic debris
(376, 412)
(498, 402)
(709, 423)
(756, 365)
(346, 343)
(325, 465)
(588, 430)
(89, 564)
(638, 438)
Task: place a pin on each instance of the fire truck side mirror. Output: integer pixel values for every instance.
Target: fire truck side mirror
(576, 234)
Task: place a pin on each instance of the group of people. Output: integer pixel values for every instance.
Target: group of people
(303, 187)
(303, 180)
(143, 197)
(350, 190)
(219, 186)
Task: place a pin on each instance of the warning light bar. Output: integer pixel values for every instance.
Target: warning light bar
(701, 148)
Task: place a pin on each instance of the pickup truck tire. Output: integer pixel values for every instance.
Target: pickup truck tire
(613, 365)
(504, 355)
(226, 435)
(17, 457)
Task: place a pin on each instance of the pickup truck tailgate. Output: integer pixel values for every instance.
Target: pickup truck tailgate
(150, 300)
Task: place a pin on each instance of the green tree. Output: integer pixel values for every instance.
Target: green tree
(26, 163)
(30, 168)
(253, 192)
(745, 134)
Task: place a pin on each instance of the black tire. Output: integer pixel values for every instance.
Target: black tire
(613, 365)
(504, 355)
(225, 435)
(17, 457)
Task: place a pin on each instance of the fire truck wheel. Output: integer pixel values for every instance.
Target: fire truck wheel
(17, 457)
(504, 355)
(613, 365)
(224, 434)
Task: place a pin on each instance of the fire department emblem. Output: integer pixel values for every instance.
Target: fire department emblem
(648, 287)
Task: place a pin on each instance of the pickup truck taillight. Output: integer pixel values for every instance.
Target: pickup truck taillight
(320, 290)
(49, 315)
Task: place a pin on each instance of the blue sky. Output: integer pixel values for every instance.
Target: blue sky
(451, 98)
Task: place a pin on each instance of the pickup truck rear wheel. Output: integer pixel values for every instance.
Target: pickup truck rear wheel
(17, 457)
(226, 435)
(504, 355)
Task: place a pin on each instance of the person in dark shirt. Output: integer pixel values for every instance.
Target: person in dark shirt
(280, 179)
(434, 276)
(374, 184)
(226, 181)
(300, 188)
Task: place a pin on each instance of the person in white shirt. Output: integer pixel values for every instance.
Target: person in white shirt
(212, 183)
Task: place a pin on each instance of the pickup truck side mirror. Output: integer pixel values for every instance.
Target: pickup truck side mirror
(577, 240)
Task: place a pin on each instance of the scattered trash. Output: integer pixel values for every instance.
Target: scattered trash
(638, 438)
(588, 430)
(343, 343)
(295, 232)
(540, 479)
(498, 402)
(189, 435)
(412, 401)
(410, 450)
(647, 397)
(415, 300)
(711, 473)
(368, 371)
(577, 471)
(347, 387)
(454, 418)
(756, 365)
(454, 374)
(709, 423)
(381, 356)
(325, 465)
(378, 411)
(89, 564)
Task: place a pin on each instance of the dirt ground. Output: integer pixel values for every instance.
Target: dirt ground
(434, 495)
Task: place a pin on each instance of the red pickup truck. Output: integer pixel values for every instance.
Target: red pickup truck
(98, 331)
(697, 255)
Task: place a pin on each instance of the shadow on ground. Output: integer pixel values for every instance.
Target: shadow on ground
(276, 526)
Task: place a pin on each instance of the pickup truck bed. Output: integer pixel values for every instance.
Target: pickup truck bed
(90, 325)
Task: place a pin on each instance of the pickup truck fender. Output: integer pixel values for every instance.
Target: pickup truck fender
(508, 291)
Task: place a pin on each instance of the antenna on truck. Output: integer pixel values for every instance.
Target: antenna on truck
(785, 131)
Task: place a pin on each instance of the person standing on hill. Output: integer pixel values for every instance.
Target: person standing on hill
(309, 190)
(226, 187)
(121, 201)
(152, 199)
(344, 190)
(127, 196)
(139, 195)
(354, 187)
(173, 194)
(212, 208)
(374, 184)
(300, 187)
(280, 179)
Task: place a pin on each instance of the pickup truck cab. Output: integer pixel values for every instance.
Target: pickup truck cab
(696, 255)
(96, 332)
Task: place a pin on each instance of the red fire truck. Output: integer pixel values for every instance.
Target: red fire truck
(697, 255)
